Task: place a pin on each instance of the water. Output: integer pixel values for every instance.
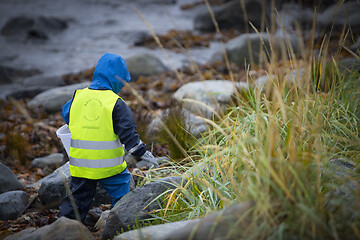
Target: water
(95, 27)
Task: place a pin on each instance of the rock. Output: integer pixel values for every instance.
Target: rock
(41, 28)
(53, 99)
(356, 46)
(346, 13)
(265, 82)
(238, 50)
(13, 75)
(49, 163)
(293, 15)
(214, 93)
(63, 228)
(193, 124)
(295, 76)
(93, 216)
(12, 204)
(44, 80)
(20, 92)
(158, 232)
(136, 205)
(230, 15)
(8, 180)
(340, 168)
(156, 1)
(102, 220)
(144, 65)
(52, 189)
(343, 203)
(349, 65)
(218, 225)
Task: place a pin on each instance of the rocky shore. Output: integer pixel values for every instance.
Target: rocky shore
(48, 49)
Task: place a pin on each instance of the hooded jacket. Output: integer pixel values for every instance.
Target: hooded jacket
(109, 73)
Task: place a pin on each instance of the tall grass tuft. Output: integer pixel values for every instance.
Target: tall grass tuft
(291, 147)
(281, 148)
(279, 152)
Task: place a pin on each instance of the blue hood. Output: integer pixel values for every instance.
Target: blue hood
(109, 68)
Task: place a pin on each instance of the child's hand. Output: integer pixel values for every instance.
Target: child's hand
(148, 157)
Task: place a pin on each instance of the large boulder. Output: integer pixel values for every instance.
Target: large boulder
(52, 188)
(216, 94)
(19, 91)
(8, 180)
(44, 80)
(41, 28)
(224, 224)
(349, 65)
(63, 228)
(136, 206)
(251, 48)
(158, 232)
(53, 99)
(191, 123)
(230, 15)
(13, 75)
(49, 163)
(12, 204)
(338, 15)
(155, 1)
(144, 65)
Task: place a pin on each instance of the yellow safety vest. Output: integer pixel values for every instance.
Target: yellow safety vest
(95, 150)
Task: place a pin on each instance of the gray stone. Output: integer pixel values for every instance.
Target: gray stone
(346, 13)
(356, 46)
(339, 168)
(8, 180)
(343, 203)
(102, 220)
(63, 228)
(230, 15)
(349, 65)
(265, 82)
(52, 188)
(12, 204)
(156, 1)
(53, 100)
(295, 76)
(136, 206)
(223, 224)
(13, 75)
(23, 28)
(49, 163)
(192, 123)
(238, 50)
(216, 94)
(44, 80)
(19, 92)
(144, 65)
(93, 216)
(156, 232)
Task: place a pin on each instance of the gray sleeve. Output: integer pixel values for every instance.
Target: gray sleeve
(125, 127)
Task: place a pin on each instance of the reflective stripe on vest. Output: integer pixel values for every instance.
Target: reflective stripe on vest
(95, 145)
(103, 163)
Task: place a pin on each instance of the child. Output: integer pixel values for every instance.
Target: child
(101, 123)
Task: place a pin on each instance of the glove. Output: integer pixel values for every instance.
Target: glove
(148, 157)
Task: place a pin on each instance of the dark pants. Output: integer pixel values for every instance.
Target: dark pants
(83, 191)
